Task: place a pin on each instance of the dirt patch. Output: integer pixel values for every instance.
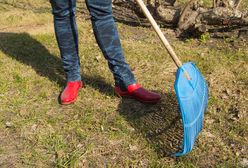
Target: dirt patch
(10, 149)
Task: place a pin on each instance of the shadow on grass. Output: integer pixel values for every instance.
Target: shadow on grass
(129, 13)
(27, 50)
(132, 18)
(160, 124)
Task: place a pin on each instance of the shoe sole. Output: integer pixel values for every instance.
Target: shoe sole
(68, 103)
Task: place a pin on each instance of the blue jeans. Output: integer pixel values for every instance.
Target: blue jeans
(105, 33)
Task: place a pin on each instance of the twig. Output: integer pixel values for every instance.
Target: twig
(237, 4)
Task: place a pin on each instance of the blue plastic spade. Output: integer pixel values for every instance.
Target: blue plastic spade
(191, 90)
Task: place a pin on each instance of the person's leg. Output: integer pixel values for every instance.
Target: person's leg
(67, 38)
(108, 40)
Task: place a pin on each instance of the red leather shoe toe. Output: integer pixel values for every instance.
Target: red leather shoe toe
(146, 96)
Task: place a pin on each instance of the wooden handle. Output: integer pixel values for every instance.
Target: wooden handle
(160, 34)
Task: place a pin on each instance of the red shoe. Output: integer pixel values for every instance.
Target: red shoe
(137, 92)
(69, 95)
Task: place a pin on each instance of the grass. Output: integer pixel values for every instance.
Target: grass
(101, 130)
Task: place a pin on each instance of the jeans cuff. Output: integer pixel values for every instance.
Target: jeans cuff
(74, 78)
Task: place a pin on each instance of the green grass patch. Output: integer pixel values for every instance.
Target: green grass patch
(101, 130)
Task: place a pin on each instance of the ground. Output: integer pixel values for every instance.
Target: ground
(100, 129)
